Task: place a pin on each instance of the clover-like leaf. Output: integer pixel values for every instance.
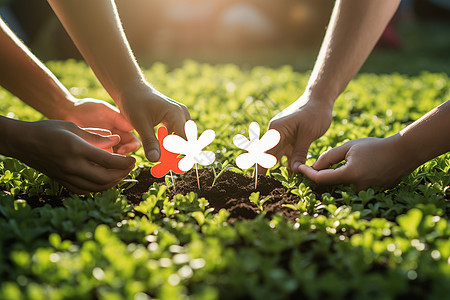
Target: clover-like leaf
(256, 147)
(192, 148)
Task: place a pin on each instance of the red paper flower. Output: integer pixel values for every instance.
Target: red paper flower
(168, 160)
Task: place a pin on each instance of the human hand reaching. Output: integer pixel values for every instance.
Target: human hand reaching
(69, 154)
(369, 162)
(300, 124)
(144, 108)
(93, 113)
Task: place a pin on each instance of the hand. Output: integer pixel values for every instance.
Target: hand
(92, 113)
(300, 124)
(145, 108)
(70, 155)
(369, 162)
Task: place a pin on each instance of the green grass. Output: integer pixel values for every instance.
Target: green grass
(371, 245)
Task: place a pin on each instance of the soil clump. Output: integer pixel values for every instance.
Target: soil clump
(231, 191)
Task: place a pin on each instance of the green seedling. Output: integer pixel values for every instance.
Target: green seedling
(284, 178)
(307, 199)
(224, 167)
(254, 198)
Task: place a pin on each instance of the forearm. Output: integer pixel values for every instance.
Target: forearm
(354, 29)
(95, 28)
(427, 137)
(26, 77)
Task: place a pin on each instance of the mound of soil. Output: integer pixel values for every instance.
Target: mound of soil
(231, 191)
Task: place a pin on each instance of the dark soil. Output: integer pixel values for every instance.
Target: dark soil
(231, 191)
(41, 200)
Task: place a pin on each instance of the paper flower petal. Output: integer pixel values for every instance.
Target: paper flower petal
(192, 148)
(269, 140)
(256, 147)
(175, 144)
(206, 138)
(254, 131)
(205, 158)
(266, 160)
(186, 163)
(168, 161)
(245, 160)
(241, 141)
(190, 128)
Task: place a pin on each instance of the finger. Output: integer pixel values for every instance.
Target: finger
(81, 185)
(129, 147)
(278, 151)
(98, 140)
(108, 160)
(283, 148)
(187, 115)
(176, 123)
(100, 131)
(73, 188)
(299, 153)
(331, 157)
(128, 143)
(97, 174)
(148, 139)
(327, 176)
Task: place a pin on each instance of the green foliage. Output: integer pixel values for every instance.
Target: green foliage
(288, 181)
(224, 167)
(368, 245)
(254, 198)
(17, 178)
(307, 201)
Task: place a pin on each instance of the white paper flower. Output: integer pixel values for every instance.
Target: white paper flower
(192, 148)
(256, 147)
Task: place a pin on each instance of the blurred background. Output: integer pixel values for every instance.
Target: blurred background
(244, 32)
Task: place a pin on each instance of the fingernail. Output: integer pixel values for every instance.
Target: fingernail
(153, 155)
(295, 166)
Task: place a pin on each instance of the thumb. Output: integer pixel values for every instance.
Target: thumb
(151, 146)
(299, 153)
(331, 157)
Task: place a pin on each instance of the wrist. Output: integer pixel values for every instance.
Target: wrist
(324, 95)
(313, 100)
(405, 154)
(62, 108)
(131, 91)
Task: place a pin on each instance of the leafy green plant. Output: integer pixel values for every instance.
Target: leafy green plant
(284, 177)
(224, 167)
(307, 199)
(254, 198)
(375, 244)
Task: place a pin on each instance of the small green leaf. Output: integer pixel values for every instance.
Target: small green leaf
(410, 222)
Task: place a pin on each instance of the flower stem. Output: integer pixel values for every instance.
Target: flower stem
(173, 180)
(256, 176)
(196, 172)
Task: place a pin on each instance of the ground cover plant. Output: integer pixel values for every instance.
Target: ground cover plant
(165, 238)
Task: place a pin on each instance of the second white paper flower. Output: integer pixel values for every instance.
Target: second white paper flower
(191, 148)
(256, 147)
